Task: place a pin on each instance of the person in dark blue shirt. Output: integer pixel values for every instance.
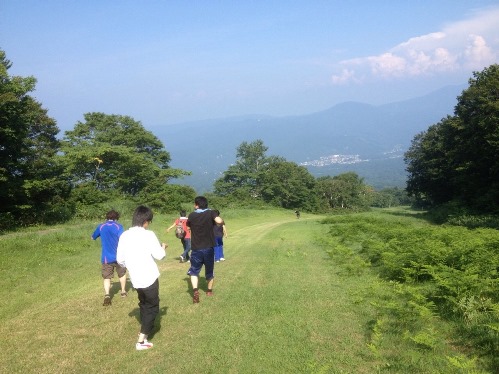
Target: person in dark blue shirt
(110, 232)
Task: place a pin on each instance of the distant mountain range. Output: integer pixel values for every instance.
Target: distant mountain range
(351, 136)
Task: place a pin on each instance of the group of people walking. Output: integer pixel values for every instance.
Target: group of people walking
(137, 248)
(220, 232)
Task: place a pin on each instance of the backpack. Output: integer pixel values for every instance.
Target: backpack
(179, 230)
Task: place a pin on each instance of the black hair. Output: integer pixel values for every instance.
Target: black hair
(201, 202)
(112, 215)
(183, 213)
(141, 215)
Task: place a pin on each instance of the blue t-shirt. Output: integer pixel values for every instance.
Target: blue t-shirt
(109, 232)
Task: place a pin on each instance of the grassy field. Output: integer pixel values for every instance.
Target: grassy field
(283, 304)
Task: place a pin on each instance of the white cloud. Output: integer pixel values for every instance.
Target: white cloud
(345, 76)
(387, 64)
(461, 46)
(477, 52)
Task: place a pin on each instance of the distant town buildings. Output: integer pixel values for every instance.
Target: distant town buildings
(334, 159)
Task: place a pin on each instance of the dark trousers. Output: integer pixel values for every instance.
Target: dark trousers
(149, 306)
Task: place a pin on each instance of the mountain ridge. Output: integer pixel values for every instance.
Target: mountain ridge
(349, 128)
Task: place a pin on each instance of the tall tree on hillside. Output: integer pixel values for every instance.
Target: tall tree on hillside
(344, 191)
(242, 177)
(432, 168)
(114, 153)
(478, 109)
(251, 157)
(456, 159)
(286, 184)
(31, 187)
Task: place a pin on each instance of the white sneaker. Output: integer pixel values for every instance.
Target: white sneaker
(222, 259)
(142, 346)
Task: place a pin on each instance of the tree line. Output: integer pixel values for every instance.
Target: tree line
(273, 180)
(455, 162)
(105, 158)
(109, 159)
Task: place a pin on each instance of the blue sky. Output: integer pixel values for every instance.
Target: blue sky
(164, 62)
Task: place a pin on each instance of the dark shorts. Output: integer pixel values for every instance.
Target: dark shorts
(200, 257)
(108, 270)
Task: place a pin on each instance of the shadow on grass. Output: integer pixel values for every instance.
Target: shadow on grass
(157, 323)
(460, 218)
(412, 214)
(115, 290)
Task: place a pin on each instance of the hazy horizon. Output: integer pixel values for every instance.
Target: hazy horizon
(170, 62)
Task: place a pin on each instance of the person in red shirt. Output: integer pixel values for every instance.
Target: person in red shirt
(186, 240)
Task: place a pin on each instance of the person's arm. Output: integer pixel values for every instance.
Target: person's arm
(172, 226)
(224, 230)
(219, 220)
(158, 251)
(96, 233)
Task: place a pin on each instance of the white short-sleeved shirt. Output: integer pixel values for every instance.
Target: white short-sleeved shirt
(137, 249)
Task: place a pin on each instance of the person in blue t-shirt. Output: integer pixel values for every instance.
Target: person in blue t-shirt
(109, 233)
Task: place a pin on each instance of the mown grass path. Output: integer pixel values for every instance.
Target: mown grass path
(279, 307)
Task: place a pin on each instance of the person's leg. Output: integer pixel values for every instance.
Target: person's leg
(107, 274)
(188, 244)
(142, 342)
(194, 282)
(216, 251)
(195, 268)
(123, 285)
(107, 286)
(209, 291)
(182, 258)
(209, 269)
(122, 276)
(149, 308)
(221, 245)
(185, 254)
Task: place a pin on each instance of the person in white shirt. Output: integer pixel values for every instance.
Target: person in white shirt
(137, 250)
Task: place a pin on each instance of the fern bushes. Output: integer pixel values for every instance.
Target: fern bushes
(449, 270)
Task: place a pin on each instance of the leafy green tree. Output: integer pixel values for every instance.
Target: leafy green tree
(478, 109)
(166, 198)
(344, 191)
(456, 159)
(431, 164)
(242, 177)
(389, 197)
(115, 153)
(286, 184)
(31, 187)
(251, 156)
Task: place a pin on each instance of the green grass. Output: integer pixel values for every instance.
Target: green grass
(283, 303)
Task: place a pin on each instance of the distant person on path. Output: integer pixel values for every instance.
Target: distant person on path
(186, 240)
(201, 223)
(297, 212)
(137, 250)
(109, 233)
(220, 232)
